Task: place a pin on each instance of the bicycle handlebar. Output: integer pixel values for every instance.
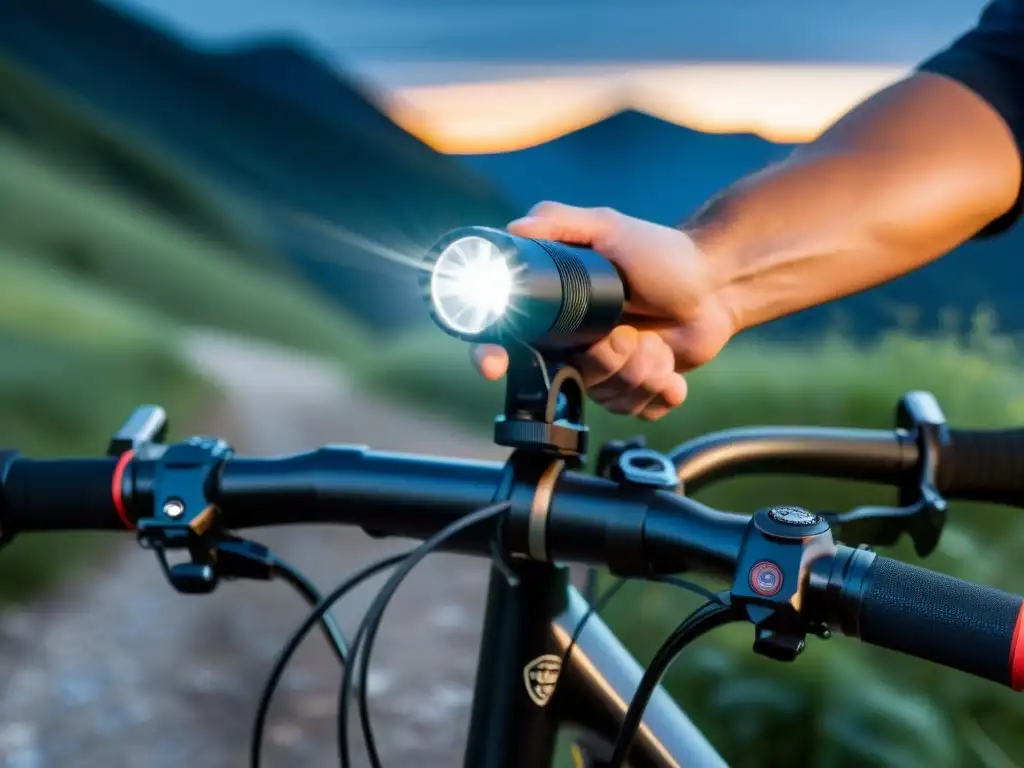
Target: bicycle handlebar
(882, 456)
(57, 494)
(386, 494)
(923, 613)
(983, 465)
(635, 531)
(973, 465)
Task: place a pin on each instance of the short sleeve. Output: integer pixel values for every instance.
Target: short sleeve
(989, 59)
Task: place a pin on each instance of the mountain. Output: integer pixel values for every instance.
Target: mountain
(631, 161)
(315, 170)
(287, 70)
(657, 170)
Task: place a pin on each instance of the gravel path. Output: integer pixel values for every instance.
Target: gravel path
(117, 670)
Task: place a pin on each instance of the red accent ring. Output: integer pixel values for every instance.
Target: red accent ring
(117, 488)
(765, 567)
(1017, 653)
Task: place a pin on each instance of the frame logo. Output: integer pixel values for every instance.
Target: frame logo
(541, 676)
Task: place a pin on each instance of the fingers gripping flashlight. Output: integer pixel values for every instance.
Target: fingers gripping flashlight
(541, 301)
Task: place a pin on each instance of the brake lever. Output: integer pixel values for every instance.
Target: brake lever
(224, 558)
(183, 518)
(921, 510)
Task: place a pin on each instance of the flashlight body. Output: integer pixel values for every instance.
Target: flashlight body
(583, 295)
(564, 297)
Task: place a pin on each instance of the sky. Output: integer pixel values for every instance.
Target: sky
(381, 35)
(471, 76)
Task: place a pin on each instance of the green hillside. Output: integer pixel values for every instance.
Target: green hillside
(87, 200)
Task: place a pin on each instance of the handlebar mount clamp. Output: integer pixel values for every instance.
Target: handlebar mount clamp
(184, 519)
(543, 406)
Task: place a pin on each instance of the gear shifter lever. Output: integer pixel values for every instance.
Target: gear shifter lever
(146, 424)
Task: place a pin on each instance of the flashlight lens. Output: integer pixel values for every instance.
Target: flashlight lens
(470, 285)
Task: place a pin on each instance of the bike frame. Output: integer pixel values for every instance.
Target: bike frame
(523, 695)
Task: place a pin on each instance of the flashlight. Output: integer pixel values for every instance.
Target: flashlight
(483, 285)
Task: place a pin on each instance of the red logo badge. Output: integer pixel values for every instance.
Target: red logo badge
(766, 578)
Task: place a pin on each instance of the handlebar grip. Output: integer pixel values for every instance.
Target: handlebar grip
(59, 495)
(943, 619)
(983, 465)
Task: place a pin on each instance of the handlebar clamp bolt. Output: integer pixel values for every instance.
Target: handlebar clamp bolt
(174, 508)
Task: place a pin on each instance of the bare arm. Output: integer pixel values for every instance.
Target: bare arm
(902, 179)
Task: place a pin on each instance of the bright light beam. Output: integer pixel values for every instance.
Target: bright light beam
(471, 285)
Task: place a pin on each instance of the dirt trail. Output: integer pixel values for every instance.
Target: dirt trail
(119, 671)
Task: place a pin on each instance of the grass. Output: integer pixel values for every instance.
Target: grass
(100, 238)
(841, 704)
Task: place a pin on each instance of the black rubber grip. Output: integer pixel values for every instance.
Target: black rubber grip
(59, 495)
(983, 465)
(942, 619)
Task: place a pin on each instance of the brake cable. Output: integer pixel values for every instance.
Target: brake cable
(599, 603)
(243, 559)
(709, 616)
(689, 586)
(316, 616)
(366, 634)
(367, 631)
(501, 492)
(294, 578)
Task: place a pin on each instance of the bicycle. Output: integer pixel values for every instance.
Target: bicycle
(547, 661)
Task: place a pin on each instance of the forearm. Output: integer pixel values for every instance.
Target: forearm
(901, 180)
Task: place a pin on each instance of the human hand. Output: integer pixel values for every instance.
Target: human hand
(675, 321)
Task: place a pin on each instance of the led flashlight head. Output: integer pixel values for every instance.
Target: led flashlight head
(484, 285)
